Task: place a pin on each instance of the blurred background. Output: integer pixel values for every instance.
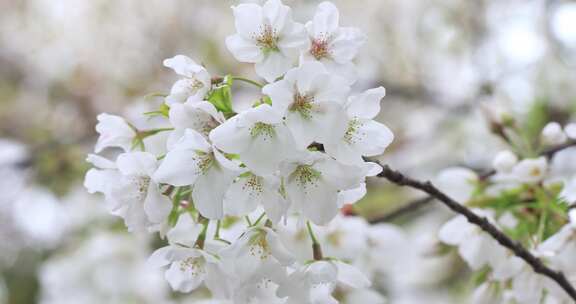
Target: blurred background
(62, 62)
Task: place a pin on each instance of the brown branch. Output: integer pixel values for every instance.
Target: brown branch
(427, 187)
(406, 209)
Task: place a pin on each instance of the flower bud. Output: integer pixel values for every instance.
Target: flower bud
(504, 161)
(570, 130)
(552, 134)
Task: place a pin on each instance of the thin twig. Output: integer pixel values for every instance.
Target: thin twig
(406, 209)
(427, 187)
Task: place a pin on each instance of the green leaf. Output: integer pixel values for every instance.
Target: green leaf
(221, 96)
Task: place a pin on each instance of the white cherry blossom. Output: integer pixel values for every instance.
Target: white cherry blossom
(114, 132)
(331, 44)
(267, 36)
(129, 189)
(200, 116)
(195, 83)
(193, 161)
(312, 182)
(363, 135)
(531, 170)
(259, 136)
(249, 191)
(311, 100)
(315, 282)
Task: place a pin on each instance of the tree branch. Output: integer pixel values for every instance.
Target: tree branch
(406, 209)
(427, 187)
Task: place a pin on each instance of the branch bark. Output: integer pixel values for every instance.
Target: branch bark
(427, 187)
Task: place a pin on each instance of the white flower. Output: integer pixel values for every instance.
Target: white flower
(200, 116)
(256, 262)
(248, 191)
(114, 132)
(529, 287)
(312, 183)
(504, 161)
(331, 44)
(259, 136)
(255, 248)
(195, 84)
(268, 37)
(190, 267)
(458, 182)
(129, 189)
(315, 282)
(193, 161)
(344, 237)
(311, 99)
(363, 135)
(552, 134)
(531, 170)
(475, 246)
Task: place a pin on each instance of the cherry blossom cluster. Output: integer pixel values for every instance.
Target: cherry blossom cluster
(197, 165)
(528, 194)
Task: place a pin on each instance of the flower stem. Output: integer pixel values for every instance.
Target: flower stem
(316, 248)
(250, 81)
(202, 237)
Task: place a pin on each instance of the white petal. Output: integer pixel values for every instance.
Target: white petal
(244, 50)
(156, 205)
(248, 19)
(230, 137)
(325, 20)
(136, 163)
(367, 104)
(318, 201)
(209, 190)
(346, 44)
(114, 132)
(293, 40)
(264, 153)
(341, 176)
(244, 195)
(351, 276)
(180, 167)
(274, 65)
(185, 232)
(100, 180)
(183, 281)
(274, 204)
(455, 231)
(322, 272)
(100, 162)
(159, 258)
(183, 65)
(281, 93)
(351, 196)
(276, 14)
(278, 249)
(306, 75)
